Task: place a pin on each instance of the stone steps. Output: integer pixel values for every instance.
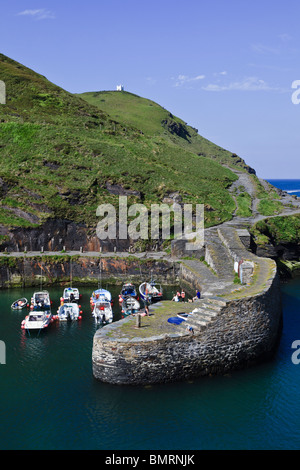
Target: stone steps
(216, 302)
(217, 255)
(203, 314)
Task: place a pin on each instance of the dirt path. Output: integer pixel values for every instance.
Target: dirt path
(244, 179)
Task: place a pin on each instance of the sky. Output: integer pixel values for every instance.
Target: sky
(224, 67)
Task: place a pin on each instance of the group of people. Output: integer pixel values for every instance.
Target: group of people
(180, 296)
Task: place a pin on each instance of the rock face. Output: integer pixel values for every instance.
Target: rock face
(285, 251)
(55, 234)
(27, 271)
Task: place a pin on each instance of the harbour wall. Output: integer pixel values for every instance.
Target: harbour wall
(245, 331)
(27, 271)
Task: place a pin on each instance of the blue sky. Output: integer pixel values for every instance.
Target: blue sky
(224, 67)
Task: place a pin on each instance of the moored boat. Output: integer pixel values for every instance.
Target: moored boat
(100, 295)
(37, 320)
(69, 312)
(130, 305)
(151, 291)
(40, 301)
(128, 290)
(20, 304)
(71, 294)
(102, 311)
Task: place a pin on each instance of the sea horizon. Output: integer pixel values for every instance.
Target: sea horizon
(290, 185)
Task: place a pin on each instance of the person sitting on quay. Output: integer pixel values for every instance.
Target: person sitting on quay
(197, 296)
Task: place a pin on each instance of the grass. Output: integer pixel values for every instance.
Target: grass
(244, 202)
(268, 206)
(58, 153)
(281, 229)
(153, 120)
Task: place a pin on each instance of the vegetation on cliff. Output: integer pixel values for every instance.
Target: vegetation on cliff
(62, 155)
(276, 230)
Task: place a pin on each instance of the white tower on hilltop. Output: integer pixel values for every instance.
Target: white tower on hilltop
(120, 88)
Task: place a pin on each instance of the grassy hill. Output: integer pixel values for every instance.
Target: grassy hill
(62, 155)
(154, 120)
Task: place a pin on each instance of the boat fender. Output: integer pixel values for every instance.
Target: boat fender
(80, 317)
(80, 312)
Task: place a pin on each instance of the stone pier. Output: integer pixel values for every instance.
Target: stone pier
(233, 326)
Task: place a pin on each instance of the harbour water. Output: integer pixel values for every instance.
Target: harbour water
(50, 400)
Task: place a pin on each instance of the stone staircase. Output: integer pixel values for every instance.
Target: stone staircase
(204, 313)
(217, 255)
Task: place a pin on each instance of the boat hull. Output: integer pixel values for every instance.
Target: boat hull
(102, 312)
(130, 306)
(19, 304)
(36, 322)
(150, 293)
(100, 295)
(69, 312)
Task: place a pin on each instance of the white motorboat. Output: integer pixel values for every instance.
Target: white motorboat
(100, 295)
(37, 320)
(40, 300)
(69, 311)
(102, 312)
(20, 304)
(71, 294)
(130, 305)
(128, 289)
(150, 291)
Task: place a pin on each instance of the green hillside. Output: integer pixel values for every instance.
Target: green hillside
(154, 120)
(61, 157)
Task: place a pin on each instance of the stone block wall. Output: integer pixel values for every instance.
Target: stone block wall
(245, 332)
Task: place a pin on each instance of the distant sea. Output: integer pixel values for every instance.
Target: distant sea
(290, 186)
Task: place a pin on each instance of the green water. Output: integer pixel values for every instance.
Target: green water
(50, 400)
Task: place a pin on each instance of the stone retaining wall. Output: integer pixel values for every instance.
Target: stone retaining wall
(28, 271)
(245, 332)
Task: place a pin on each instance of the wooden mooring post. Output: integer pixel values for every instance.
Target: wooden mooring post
(137, 321)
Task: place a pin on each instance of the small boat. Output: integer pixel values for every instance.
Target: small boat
(69, 311)
(37, 320)
(102, 311)
(71, 294)
(128, 289)
(19, 304)
(100, 295)
(40, 300)
(130, 305)
(150, 291)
